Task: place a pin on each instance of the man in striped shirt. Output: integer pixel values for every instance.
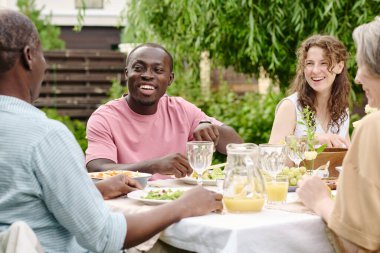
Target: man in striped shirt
(43, 181)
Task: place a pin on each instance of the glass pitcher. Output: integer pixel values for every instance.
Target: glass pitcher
(243, 188)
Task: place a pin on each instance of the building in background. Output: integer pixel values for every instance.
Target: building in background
(101, 22)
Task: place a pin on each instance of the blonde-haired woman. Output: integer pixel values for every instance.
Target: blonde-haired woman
(322, 84)
(355, 215)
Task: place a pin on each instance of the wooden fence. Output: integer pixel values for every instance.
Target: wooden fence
(77, 81)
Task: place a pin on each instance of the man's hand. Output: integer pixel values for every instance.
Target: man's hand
(173, 164)
(200, 201)
(116, 186)
(206, 132)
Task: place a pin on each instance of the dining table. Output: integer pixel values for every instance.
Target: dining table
(287, 227)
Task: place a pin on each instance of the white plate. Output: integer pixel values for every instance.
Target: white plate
(106, 174)
(190, 180)
(141, 194)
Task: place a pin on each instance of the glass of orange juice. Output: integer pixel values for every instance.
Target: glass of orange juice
(277, 189)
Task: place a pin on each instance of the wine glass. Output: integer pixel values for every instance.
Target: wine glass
(296, 147)
(199, 154)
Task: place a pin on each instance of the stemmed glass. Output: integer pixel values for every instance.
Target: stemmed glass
(199, 154)
(296, 147)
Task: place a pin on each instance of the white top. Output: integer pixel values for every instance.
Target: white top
(301, 129)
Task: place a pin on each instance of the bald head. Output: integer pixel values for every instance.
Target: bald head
(16, 32)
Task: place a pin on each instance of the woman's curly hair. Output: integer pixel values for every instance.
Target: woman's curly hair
(338, 103)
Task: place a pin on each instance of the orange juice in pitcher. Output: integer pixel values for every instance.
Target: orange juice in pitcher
(243, 188)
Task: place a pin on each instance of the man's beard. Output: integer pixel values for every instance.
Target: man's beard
(146, 102)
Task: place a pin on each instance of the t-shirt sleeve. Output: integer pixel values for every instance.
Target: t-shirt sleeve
(357, 207)
(100, 139)
(72, 197)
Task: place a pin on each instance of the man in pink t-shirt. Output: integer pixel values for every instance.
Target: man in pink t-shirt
(146, 130)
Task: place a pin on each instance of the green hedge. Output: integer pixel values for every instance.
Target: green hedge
(78, 128)
(251, 115)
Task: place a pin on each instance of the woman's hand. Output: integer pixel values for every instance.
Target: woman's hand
(315, 194)
(333, 140)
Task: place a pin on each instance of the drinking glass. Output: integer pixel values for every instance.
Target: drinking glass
(277, 189)
(272, 158)
(199, 154)
(296, 147)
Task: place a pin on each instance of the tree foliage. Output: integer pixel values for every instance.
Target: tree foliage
(245, 34)
(49, 34)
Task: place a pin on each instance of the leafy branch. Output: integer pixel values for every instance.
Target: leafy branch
(308, 120)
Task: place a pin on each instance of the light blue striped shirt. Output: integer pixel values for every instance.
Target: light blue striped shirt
(43, 182)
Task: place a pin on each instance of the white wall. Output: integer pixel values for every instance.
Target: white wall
(64, 12)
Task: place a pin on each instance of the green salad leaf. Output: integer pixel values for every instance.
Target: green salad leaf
(164, 194)
(213, 174)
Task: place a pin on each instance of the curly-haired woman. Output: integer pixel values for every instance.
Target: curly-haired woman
(322, 83)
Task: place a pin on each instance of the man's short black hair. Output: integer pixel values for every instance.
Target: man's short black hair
(154, 45)
(16, 32)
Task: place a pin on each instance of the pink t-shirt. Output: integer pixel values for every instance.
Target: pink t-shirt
(117, 133)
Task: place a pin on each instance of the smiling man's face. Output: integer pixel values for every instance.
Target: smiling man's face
(148, 75)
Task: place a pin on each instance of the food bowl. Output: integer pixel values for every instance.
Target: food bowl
(142, 178)
(334, 155)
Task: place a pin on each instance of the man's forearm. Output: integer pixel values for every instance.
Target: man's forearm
(105, 164)
(157, 220)
(227, 135)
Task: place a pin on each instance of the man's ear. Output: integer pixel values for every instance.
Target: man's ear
(26, 57)
(338, 68)
(171, 78)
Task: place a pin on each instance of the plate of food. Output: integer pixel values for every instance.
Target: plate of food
(192, 180)
(331, 182)
(140, 177)
(209, 177)
(157, 196)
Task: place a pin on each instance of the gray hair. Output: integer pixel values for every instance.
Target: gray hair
(16, 32)
(367, 40)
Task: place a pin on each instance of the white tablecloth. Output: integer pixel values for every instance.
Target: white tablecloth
(284, 228)
(266, 231)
